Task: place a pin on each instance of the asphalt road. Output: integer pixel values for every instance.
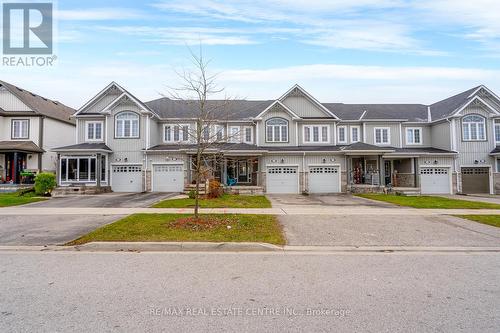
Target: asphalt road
(249, 292)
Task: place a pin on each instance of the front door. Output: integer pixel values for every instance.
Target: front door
(242, 172)
(15, 163)
(387, 172)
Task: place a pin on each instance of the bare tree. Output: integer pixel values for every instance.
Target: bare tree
(196, 89)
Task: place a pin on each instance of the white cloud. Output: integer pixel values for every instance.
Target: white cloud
(328, 83)
(98, 14)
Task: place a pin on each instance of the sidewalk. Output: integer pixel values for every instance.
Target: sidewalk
(291, 210)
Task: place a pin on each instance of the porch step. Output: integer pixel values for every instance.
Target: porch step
(244, 190)
(413, 193)
(192, 187)
(63, 191)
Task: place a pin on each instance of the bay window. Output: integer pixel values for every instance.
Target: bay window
(81, 169)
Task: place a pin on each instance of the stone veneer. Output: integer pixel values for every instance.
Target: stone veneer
(405, 180)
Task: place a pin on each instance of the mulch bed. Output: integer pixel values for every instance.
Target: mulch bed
(201, 223)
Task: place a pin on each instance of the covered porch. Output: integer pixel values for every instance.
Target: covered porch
(83, 165)
(20, 161)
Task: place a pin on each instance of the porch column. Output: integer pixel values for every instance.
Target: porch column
(98, 171)
(381, 170)
(39, 162)
(58, 169)
(14, 169)
(224, 171)
(415, 174)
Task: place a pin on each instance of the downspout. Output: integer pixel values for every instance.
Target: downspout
(40, 142)
(453, 147)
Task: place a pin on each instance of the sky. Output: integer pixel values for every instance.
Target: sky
(357, 51)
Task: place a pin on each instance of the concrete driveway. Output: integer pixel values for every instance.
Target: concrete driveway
(49, 229)
(111, 200)
(385, 230)
(345, 200)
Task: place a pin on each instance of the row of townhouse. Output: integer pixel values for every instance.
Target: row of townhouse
(293, 144)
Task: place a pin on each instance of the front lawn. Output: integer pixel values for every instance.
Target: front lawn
(165, 228)
(493, 220)
(226, 201)
(429, 201)
(16, 199)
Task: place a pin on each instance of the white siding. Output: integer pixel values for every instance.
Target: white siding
(440, 136)
(10, 102)
(425, 136)
(303, 107)
(55, 134)
(82, 127)
(291, 129)
(101, 103)
(394, 129)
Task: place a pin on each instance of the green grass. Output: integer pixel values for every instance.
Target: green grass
(16, 199)
(493, 220)
(226, 201)
(429, 202)
(157, 228)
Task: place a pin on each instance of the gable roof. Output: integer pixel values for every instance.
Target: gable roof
(124, 92)
(281, 105)
(41, 105)
(448, 106)
(298, 88)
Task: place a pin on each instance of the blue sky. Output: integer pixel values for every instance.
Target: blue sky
(356, 51)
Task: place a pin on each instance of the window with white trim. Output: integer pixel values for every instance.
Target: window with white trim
(247, 134)
(20, 128)
(205, 133)
(382, 135)
(277, 130)
(355, 134)
(175, 132)
(234, 134)
(93, 130)
(342, 135)
(473, 128)
(414, 136)
(316, 133)
(219, 130)
(497, 131)
(127, 125)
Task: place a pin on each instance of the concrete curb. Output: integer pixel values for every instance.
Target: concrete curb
(243, 247)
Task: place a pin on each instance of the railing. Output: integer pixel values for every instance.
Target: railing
(365, 178)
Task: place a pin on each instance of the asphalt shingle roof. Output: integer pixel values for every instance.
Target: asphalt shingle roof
(85, 146)
(41, 105)
(446, 107)
(24, 146)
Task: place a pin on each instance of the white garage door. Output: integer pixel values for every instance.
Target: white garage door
(324, 179)
(168, 178)
(282, 180)
(435, 180)
(126, 178)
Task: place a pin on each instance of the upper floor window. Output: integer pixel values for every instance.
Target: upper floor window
(497, 130)
(234, 134)
(276, 130)
(473, 128)
(93, 131)
(176, 133)
(354, 134)
(342, 134)
(20, 129)
(205, 133)
(382, 136)
(247, 134)
(219, 132)
(127, 125)
(315, 133)
(413, 136)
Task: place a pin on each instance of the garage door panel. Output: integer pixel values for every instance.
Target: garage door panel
(168, 178)
(282, 180)
(435, 180)
(324, 179)
(475, 180)
(126, 178)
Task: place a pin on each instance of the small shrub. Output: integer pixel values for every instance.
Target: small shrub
(44, 183)
(192, 194)
(214, 189)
